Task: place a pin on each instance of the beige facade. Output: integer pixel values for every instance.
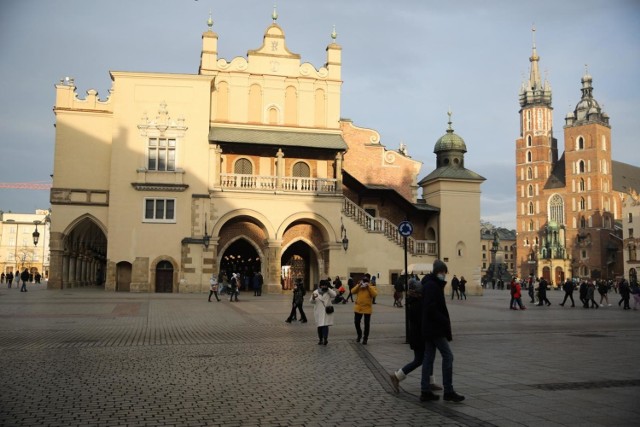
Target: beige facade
(243, 167)
(631, 235)
(17, 249)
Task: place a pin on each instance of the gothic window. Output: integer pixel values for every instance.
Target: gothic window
(243, 166)
(582, 204)
(531, 225)
(581, 185)
(530, 208)
(556, 209)
(581, 166)
(529, 141)
(530, 190)
(528, 156)
(580, 145)
(301, 169)
(630, 217)
(529, 173)
(583, 222)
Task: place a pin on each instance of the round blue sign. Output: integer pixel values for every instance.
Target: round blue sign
(405, 228)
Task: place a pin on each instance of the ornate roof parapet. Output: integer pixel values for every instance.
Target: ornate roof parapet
(67, 98)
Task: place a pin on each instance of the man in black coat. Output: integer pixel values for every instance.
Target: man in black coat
(568, 292)
(436, 330)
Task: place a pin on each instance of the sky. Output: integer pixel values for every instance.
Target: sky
(404, 65)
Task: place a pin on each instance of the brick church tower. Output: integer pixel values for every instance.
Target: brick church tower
(566, 205)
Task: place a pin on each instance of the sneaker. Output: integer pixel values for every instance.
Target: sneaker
(364, 341)
(428, 396)
(453, 397)
(435, 387)
(395, 383)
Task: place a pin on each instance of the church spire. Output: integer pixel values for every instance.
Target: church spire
(534, 77)
(534, 92)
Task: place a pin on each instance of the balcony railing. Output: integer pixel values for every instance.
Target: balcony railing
(389, 229)
(273, 183)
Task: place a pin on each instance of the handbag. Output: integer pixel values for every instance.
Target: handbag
(327, 308)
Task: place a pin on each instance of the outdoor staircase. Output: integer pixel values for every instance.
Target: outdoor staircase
(387, 228)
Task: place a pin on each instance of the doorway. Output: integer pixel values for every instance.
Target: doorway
(123, 276)
(164, 277)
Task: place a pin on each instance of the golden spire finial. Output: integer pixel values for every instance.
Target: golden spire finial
(210, 21)
(274, 14)
(334, 35)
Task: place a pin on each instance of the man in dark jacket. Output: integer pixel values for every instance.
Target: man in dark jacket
(568, 292)
(436, 330)
(24, 277)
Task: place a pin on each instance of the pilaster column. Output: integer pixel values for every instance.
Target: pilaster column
(279, 169)
(338, 176)
(271, 268)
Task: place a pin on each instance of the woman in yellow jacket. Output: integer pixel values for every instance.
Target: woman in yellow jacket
(365, 293)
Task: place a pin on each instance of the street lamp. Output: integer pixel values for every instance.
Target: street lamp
(35, 234)
(343, 233)
(206, 238)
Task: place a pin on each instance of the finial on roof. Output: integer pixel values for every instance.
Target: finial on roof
(533, 34)
(274, 15)
(449, 113)
(210, 21)
(334, 35)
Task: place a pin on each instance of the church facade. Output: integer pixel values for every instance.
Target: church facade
(569, 205)
(245, 167)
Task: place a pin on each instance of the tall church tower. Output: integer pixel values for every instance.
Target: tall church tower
(536, 157)
(591, 205)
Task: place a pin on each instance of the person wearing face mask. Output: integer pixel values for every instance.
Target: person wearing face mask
(321, 298)
(436, 331)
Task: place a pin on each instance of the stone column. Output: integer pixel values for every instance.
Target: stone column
(338, 168)
(56, 269)
(279, 169)
(72, 270)
(271, 267)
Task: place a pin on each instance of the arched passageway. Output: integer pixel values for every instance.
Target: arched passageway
(240, 257)
(299, 261)
(84, 257)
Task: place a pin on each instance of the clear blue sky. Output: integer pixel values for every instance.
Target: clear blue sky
(405, 64)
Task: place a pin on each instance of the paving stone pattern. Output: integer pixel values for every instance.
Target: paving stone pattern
(86, 357)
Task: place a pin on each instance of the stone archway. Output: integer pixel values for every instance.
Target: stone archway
(299, 260)
(240, 257)
(81, 259)
(164, 277)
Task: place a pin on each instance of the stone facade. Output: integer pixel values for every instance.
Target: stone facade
(243, 167)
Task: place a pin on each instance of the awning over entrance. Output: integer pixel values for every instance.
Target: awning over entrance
(278, 138)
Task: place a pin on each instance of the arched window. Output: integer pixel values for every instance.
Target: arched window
(583, 222)
(581, 166)
(529, 173)
(528, 156)
(580, 145)
(582, 204)
(556, 209)
(530, 190)
(531, 225)
(243, 166)
(581, 185)
(530, 208)
(301, 169)
(529, 141)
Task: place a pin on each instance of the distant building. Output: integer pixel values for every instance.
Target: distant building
(504, 253)
(631, 235)
(246, 167)
(568, 203)
(17, 249)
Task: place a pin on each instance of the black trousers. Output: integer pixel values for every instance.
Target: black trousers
(303, 317)
(568, 295)
(367, 324)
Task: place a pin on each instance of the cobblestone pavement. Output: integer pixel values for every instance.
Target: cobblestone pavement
(85, 357)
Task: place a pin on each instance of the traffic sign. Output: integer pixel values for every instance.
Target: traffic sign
(405, 228)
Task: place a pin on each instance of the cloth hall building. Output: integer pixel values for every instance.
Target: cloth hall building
(246, 166)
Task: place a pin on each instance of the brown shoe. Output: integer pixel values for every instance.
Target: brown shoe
(395, 382)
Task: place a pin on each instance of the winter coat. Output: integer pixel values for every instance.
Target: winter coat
(364, 298)
(320, 302)
(414, 310)
(435, 316)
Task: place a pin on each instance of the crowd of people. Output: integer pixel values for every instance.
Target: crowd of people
(25, 277)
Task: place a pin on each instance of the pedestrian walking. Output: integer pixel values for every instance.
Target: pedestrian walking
(542, 293)
(2, 276)
(298, 299)
(416, 340)
(603, 290)
(625, 293)
(584, 287)
(258, 281)
(591, 291)
(635, 292)
(213, 287)
(463, 288)
(455, 287)
(321, 298)
(516, 296)
(365, 294)
(398, 289)
(567, 287)
(373, 283)
(24, 276)
(350, 284)
(436, 330)
(234, 287)
(531, 290)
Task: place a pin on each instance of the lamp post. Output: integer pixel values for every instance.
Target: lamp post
(35, 234)
(345, 240)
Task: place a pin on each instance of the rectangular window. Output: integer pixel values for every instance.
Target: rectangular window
(159, 210)
(631, 232)
(161, 154)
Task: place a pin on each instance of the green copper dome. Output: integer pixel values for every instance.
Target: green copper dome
(450, 141)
